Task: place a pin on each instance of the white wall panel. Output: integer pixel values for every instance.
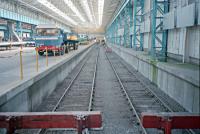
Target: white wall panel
(193, 41)
(186, 16)
(181, 41)
(146, 40)
(169, 20)
(142, 27)
(147, 5)
(176, 41)
(174, 44)
(176, 37)
(145, 26)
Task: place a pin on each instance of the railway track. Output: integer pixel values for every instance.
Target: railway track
(117, 117)
(75, 93)
(78, 95)
(140, 98)
(106, 77)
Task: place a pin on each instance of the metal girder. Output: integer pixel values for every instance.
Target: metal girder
(138, 39)
(131, 23)
(128, 24)
(116, 32)
(123, 21)
(159, 36)
(41, 120)
(19, 28)
(126, 27)
(121, 26)
(169, 121)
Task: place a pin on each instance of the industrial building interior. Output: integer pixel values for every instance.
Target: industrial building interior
(99, 66)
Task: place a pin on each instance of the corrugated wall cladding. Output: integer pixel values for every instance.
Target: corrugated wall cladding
(193, 41)
(182, 40)
(176, 40)
(160, 30)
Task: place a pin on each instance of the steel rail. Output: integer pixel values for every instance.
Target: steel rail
(93, 82)
(148, 89)
(162, 103)
(127, 96)
(41, 131)
(93, 87)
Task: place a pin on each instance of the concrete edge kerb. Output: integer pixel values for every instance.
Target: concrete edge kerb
(159, 66)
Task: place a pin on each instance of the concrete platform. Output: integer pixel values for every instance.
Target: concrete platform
(24, 95)
(10, 68)
(180, 81)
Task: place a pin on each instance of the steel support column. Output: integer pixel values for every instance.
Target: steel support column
(19, 29)
(126, 26)
(128, 23)
(131, 23)
(159, 36)
(138, 19)
(122, 25)
(113, 31)
(142, 20)
(118, 27)
(32, 30)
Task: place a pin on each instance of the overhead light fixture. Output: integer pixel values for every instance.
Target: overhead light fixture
(100, 10)
(57, 11)
(87, 9)
(74, 9)
(94, 17)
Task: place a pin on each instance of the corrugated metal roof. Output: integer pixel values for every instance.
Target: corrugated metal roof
(85, 27)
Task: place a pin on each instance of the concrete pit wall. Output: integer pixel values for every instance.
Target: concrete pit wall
(182, 90)
(28, 95)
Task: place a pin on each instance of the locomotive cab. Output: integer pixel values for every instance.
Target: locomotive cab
(49, 38)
